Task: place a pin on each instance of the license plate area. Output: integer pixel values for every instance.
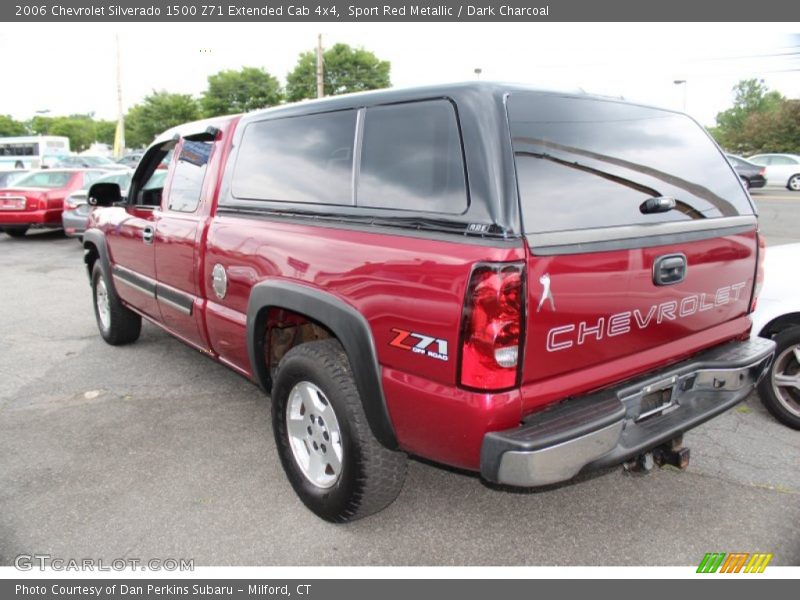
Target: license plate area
(12, 203)
(652, 400)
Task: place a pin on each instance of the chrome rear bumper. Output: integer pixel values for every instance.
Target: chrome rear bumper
(615, 424)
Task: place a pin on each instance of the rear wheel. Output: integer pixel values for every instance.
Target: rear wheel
(780, 389)
(745, 182)
(334, 463)
(794, 182)
(17, 232)
(117, 324)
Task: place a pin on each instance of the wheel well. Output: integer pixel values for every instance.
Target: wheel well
(283, 330)
(777, 325)
(90, 257)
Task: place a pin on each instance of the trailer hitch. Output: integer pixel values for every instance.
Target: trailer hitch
(670, 453)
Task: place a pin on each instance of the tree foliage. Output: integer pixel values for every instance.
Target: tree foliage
(158, 112)
(10, 127)
(232, 92)
(346, 69)
(753, 103)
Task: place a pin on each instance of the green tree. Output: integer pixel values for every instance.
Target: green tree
(104, 132)
(346, 70)
(10, 127)
(80, 129)
(776, 130)
(232, 92)
(751, 96)
(158, 112)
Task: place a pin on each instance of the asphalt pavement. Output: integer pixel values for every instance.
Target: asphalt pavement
(154, 451)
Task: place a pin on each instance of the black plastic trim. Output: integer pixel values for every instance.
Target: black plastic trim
(346, 323)
(646, 241)
(141, 283)
(179, 300)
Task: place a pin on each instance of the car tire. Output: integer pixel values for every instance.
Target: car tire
(17, 232)
(118, 324)
(779, 390)
(745, 182)
(794, 183)
(330, 456)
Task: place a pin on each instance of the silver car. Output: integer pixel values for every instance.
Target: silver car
(76, 209)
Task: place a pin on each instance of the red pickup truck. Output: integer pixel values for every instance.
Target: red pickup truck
(522, 283)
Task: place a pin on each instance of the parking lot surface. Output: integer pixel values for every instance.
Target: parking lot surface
(154, 451)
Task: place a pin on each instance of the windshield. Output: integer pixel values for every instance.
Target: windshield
(587, 163)
(45, 179)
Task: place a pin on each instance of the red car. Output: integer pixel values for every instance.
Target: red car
(524, 284)
(37, 199)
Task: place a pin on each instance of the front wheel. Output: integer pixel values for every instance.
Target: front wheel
(794, 183)
(780, 389)
(118, 324)
(333, 461)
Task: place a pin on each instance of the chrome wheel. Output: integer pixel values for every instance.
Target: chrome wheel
(314, 434)
(103, 307)
(786, 379)
(794, 183)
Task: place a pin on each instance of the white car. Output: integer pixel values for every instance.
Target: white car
(781, 169)
(777, 316)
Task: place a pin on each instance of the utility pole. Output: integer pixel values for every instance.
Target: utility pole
(119, 136)
(320, 80)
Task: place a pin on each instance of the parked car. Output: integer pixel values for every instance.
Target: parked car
(76, 210)
(36, 199)
(130, 160)
(524, 284)
(7, 178)
(81, 161)
(777, 317)
(781, 169)
(751, 174)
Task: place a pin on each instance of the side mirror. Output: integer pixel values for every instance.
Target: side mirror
(104, 194)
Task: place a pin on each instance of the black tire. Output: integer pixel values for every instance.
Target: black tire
(783, 402)
(793, 183)
(123, 326)
(745, 182)
(371, 476)
(17, 232)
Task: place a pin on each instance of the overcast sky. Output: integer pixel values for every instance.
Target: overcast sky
(69, 68)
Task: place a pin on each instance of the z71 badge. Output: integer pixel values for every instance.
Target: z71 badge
(419, 344)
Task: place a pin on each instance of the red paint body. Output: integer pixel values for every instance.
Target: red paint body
(41, 206)
(397, 280)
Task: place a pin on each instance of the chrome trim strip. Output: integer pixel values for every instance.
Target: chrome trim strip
(541, 242)
(181, 309)
(139, 288)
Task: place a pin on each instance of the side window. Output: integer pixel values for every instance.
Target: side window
(187, 179)
(148, 183)
(411, 159)
(782, 160)
(305, 159)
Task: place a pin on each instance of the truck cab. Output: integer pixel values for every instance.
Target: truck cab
(523, 283)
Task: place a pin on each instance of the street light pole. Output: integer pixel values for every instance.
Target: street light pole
(320, 77)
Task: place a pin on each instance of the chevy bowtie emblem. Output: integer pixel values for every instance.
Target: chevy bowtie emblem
(547, 293)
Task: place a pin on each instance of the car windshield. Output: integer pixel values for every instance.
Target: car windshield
(45, 179)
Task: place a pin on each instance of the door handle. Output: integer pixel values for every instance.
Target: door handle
(148, 233)
(669, 269)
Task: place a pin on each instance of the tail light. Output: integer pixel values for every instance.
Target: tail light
(491, 331)
(763, 172)
(71, 202)
(762, 249)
